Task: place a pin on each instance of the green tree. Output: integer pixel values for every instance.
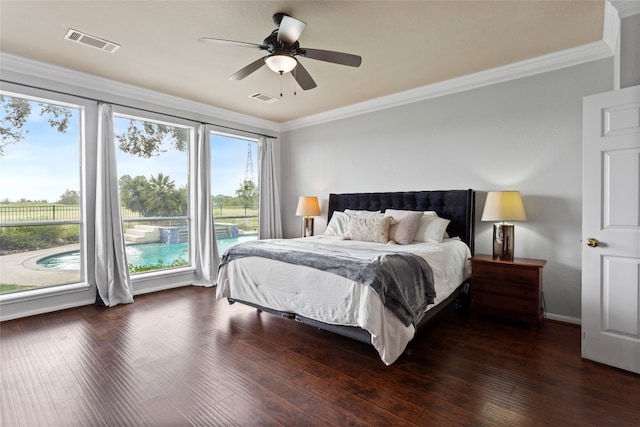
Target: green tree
(16, 111)
(184, 199)
(144, 139)
(70, 197)
(147, 139)
(218, 199)
(247, 193)
(133, 192)
(161, 196)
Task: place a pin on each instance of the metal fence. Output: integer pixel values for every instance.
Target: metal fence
(246, 216)
(48, 213)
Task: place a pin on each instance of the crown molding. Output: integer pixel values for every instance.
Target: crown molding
(102, 88)
(626, 7)
(611, 25)
(551, 62)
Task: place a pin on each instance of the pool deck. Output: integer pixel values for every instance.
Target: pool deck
(22, 269)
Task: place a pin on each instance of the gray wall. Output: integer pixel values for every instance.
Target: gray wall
(630, 51)
(524, 134)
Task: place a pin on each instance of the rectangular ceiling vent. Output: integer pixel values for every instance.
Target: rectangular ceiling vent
(264, 97)
(87, 40)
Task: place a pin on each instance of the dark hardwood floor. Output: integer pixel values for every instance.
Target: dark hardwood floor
(180, 357)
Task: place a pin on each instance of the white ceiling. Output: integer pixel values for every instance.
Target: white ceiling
(404, 44)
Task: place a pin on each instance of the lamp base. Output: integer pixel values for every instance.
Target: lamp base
(503, 236)
(307, 226)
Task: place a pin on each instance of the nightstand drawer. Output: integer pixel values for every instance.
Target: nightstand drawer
(521, 275)
(505, 303)
(506, 273)
(505, 288)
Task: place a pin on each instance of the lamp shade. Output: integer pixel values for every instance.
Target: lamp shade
(281, 63)
(308, 206)
(504, 206)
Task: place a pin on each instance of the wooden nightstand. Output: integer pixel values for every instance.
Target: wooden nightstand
(511, 289)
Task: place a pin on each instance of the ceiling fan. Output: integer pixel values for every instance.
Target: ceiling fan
(283, 47)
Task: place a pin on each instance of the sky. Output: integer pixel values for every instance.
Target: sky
(46, 163)
(228, 163)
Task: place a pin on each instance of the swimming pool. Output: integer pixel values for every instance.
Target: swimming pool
(138, 255)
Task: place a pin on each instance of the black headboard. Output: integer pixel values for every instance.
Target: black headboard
(455, 205)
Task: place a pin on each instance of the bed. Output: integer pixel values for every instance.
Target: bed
(281, 276)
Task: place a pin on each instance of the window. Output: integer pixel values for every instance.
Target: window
(234, 189)
(41, 214)
(153, 170)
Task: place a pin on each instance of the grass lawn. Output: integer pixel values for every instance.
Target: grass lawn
(10, 288)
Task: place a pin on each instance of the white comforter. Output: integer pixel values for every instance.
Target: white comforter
(333, 299)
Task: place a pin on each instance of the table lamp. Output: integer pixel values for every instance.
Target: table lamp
(503, 206)
(308, 207)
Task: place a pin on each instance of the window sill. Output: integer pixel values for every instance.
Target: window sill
(33, 294)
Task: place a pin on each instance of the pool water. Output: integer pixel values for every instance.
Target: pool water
(140, 254)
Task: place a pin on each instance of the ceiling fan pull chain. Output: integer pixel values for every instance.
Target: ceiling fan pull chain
(293, 73)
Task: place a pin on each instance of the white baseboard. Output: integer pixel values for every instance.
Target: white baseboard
(565, 319)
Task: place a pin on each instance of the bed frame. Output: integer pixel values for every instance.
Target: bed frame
(455, 205)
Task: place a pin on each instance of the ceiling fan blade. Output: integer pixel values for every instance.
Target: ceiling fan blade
(229, 42)
(290, 29)
(244, 72)
(302, 76)
(331, 56)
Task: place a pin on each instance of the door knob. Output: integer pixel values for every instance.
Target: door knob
(592, 242)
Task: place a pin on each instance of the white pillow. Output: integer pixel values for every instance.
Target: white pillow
(432, 228)
(353, 213)
(404, 226)
(369, 229)
(338, 226)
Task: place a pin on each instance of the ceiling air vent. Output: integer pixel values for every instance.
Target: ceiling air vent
(87, 40)
(264, 97)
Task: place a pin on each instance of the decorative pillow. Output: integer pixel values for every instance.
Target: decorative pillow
(405, 225)
(434, 213)
(432, 228)
(369, 229)
(338, 226)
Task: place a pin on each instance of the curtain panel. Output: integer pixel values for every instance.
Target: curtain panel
(270, 222)
(207, 258)
(112, 270)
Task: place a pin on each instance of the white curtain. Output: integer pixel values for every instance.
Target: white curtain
(112, 270)
(207, 258)
(270, 223)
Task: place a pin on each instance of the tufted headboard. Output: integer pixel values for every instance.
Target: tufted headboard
(455, 205)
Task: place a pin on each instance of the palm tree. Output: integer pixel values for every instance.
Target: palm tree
(132, 193)
(161, 196)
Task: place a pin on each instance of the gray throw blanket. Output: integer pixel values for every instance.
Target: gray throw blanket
(403, 281)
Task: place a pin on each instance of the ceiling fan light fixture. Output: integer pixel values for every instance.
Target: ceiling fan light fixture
(281, 62)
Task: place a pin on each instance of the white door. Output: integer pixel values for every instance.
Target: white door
(611, 229)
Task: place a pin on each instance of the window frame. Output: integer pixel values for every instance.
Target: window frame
(10, 302)
(142, 281)
(81, 105)
(244, 136)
